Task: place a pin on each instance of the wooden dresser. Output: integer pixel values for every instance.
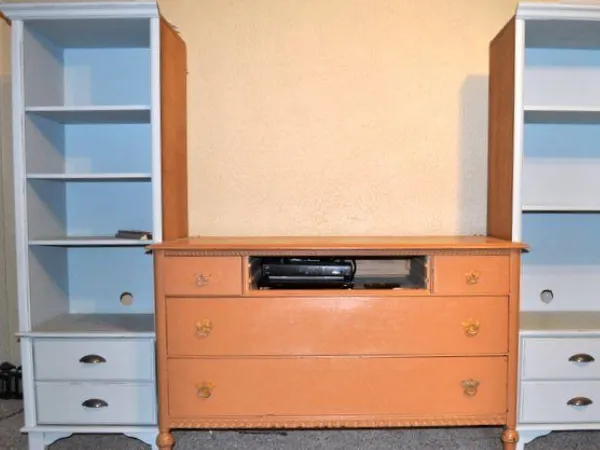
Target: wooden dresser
(440, 350)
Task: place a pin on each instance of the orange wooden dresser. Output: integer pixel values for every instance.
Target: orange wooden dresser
(439, 348)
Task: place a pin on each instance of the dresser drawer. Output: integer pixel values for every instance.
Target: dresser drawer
(548, 401)
(341, 386)
(337, 326)
(203, 275)
(116, 403)
(93, 359)
(477, 275)
(554, 359)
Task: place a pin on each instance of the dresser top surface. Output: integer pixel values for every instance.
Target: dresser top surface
(347, 243)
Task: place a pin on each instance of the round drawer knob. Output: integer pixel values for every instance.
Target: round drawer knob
(579, 401)
(204, 390)
(472, 277)
(471, 327)
(470, 387)
(203, 328)
(202, 279)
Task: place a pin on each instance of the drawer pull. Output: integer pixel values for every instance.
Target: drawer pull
(546, 296)
(202, 279)
(470, 387)
(203, 328)
(471, 327)
(92, 359)
(472, 277)
(579, 401)
(582, 358)
(204, 390)
(94, 403)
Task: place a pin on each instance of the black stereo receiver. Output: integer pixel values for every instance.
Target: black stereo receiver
(305, 273)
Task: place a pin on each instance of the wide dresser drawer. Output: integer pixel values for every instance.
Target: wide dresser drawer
(554, 359)
(560, 402)
(214, 275)
(226, 387)
(337, 326)
(95, 403)
(94, 359)
(471, 275)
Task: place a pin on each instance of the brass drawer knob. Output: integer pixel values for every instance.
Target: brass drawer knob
(203, 328)
(470, 387)
(579, 401)
(582, 358)
(202, 279)
(204, 390)
(471, 327)
(472, 277)
(92, 359)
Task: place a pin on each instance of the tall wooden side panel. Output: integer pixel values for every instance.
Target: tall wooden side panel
(173, 67)
(501, 132)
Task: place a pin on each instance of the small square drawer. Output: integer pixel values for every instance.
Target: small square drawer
(95, 403)
(560, 359)
(477, 275)
(560, 402)
(203, 275)
(94, 359)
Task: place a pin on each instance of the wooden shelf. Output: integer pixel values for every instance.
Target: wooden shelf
(560, 208)
(89, 241)
(534, 323)
(98, 325)
(90, 176)
(129, 114)
(562, 114)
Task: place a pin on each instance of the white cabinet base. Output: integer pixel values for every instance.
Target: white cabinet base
(40, 438)
(527, 435)
(41, 441)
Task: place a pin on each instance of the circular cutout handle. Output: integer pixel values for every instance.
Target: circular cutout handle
(546, 295)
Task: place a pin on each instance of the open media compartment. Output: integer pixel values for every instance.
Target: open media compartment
(357, 273)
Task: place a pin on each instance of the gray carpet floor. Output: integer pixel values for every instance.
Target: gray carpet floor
(479, 438)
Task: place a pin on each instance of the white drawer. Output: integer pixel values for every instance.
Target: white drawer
(556, 359)
(116, 403)
(107, 359)
(548, 401)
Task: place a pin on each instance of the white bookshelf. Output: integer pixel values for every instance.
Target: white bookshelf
(89, 160)
(545, 191)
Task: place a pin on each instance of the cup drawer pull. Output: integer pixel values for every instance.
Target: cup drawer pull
(94, 403)
(582, 358)
(92, 359)
(579, 401)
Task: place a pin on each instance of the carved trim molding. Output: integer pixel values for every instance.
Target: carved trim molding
(307, 422)
(330, 252)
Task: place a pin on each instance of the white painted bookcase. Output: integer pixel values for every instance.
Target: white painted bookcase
(99, 145)
(544, 190)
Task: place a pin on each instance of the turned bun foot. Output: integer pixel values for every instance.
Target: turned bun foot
(510, 437)
(165, 440)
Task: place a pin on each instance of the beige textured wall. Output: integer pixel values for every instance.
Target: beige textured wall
(337, 116)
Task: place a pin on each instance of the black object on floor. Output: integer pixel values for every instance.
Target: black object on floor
(11, 381)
